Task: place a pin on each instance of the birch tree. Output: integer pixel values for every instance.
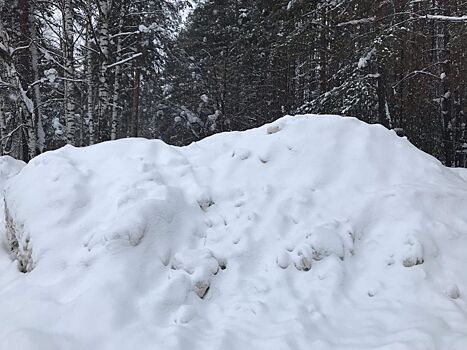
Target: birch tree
(69, 71)
(103, 47)
(89, 82)
(19, 70)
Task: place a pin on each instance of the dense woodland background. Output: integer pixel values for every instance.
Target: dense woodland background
(86, 71)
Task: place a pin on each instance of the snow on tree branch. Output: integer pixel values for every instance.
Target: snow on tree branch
(125, 60)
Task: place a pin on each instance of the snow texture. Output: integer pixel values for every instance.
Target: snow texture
(307, 233)
(363, 61)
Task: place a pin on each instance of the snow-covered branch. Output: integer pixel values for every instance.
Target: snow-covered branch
(16, 49)
(124, 34)
(415, 72)
(357, 21)
(4, 83)
(10, 134)
(447, 18)
(125, 60)
(415, 17)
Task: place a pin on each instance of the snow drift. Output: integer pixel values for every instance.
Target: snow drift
(307, 233)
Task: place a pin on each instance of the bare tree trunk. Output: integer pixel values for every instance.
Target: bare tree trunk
(23, 79)
(116, 92)
(24, 144)
(9, 76)
(384, 115)
(323, 59)
(103, 62)
(69, 73)
(38, 134)
(3, 131)
(90, 90)
(135, 107)
(441, 59)
(446, 98)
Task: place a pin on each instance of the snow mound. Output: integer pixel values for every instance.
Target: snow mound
(9, 167)
(307, 233)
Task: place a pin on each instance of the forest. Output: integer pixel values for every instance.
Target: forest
(80, 72)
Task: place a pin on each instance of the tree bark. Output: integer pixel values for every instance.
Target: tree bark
(103, 93)
(116, 91)
(90, 85)
(136, 102)
(3, 131)
(384, 115)
(69, 73)
(38, 134)
(323, 52)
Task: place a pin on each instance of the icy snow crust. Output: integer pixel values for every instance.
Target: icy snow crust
(308, 233)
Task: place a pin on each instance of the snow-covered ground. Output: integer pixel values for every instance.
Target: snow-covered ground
(309, 233)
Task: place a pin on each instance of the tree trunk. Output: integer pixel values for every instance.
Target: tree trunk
(116, 92)
(323, 52)
(103, 62)
(90, 84)
(136, 102)
(23, 79)
(384, 116)
(3, 131)
(38, 133)
(446, 106)
(441, 60)
(69, 73)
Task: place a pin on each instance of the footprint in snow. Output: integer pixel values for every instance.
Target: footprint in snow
(320, 243)
(201, 265)
(273, 129)
(413, 253)
(452, 291)
(242, 154)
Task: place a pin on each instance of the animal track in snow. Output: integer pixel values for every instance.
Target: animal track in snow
(201, 265)
(413, 253)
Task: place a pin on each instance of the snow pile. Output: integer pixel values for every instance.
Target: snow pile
(308, 233)
(9, 167)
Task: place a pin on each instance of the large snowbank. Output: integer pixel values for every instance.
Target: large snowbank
(9, 167)
(308, 233)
